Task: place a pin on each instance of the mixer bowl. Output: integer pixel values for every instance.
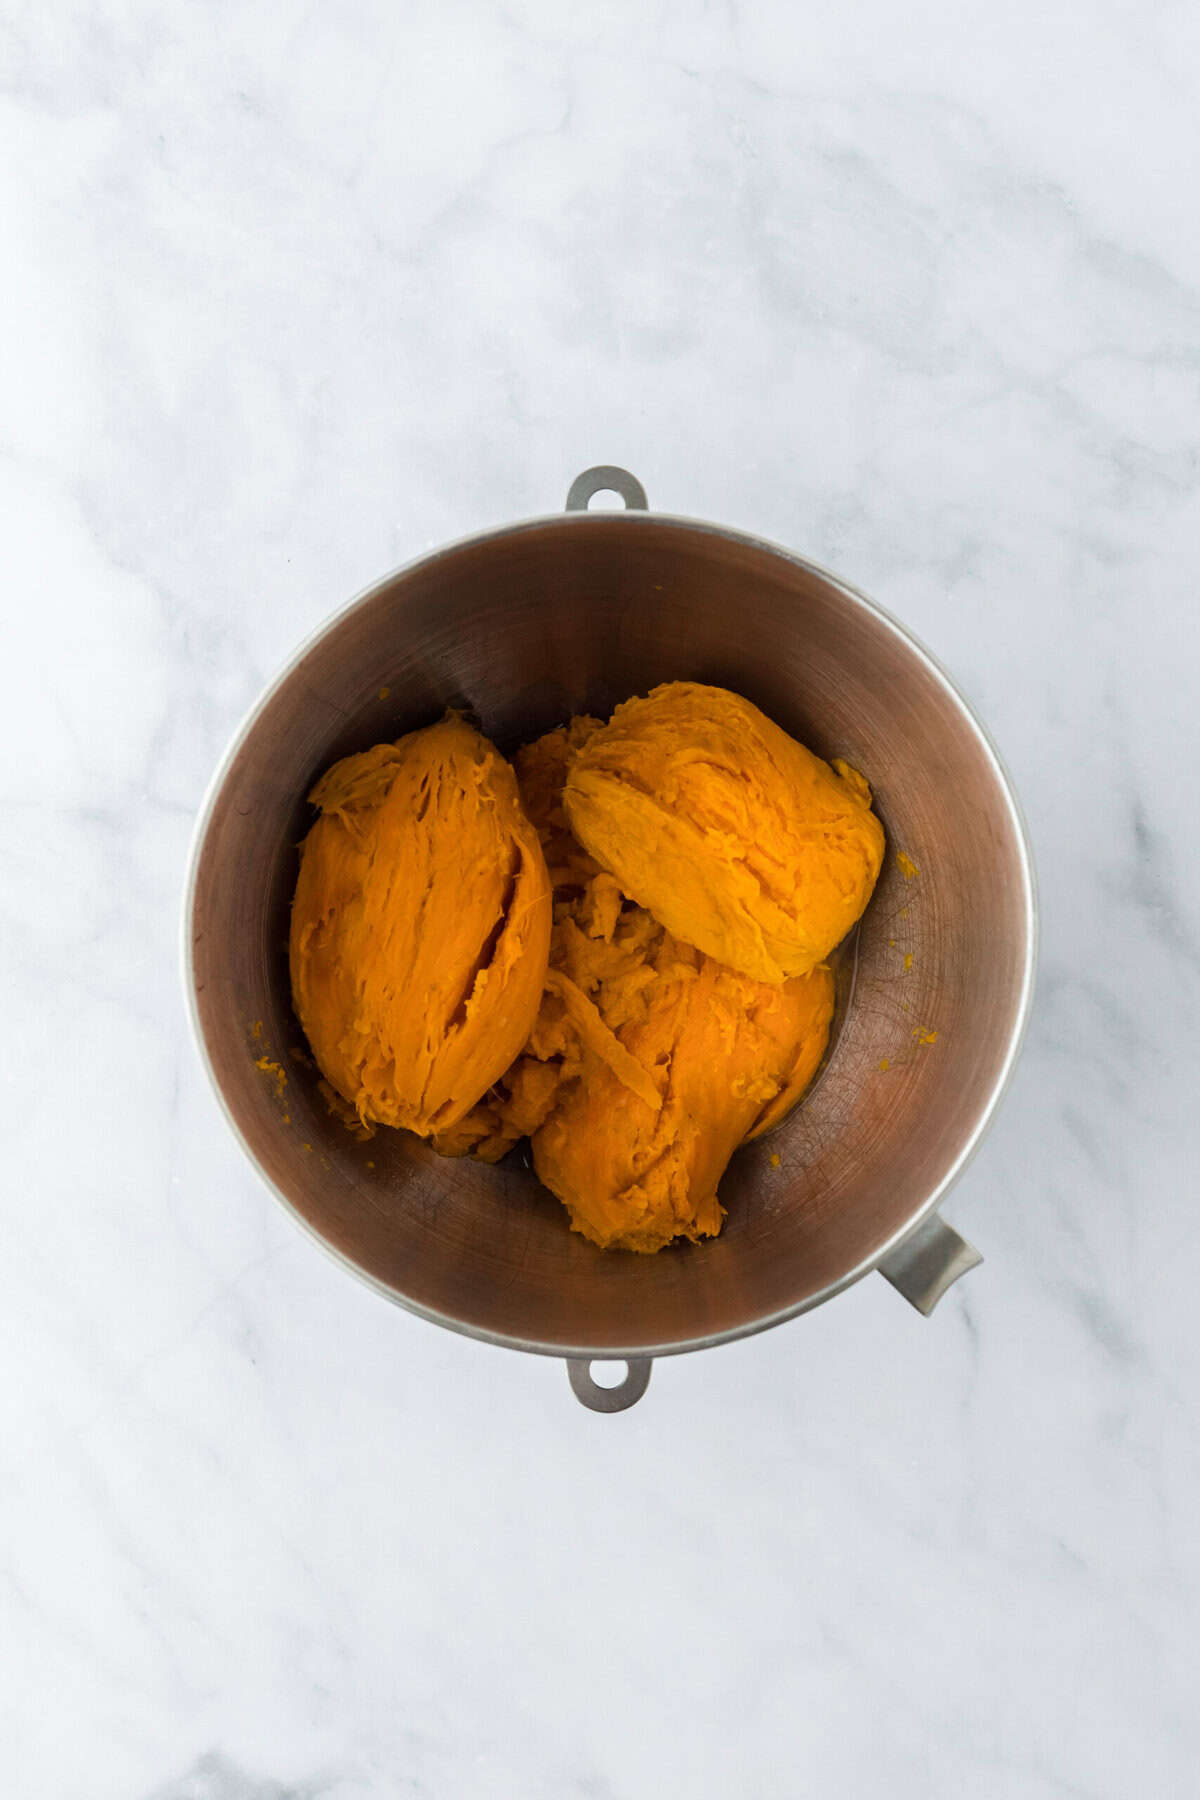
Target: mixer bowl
(522, 627)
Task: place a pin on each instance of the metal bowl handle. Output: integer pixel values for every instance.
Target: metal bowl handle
(928, 1262)
(603, 477)
(608, 1399)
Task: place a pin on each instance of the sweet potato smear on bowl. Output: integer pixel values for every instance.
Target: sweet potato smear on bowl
(646, 1058)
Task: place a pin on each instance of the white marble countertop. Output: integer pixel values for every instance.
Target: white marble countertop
(292, 294)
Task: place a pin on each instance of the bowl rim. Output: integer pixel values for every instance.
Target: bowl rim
(628, 519)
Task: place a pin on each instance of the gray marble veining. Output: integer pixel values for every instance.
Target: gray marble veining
(292, 294)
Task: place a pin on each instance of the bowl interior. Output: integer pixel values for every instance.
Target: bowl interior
(524, 628)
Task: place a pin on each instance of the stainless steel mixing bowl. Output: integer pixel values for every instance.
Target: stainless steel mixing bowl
(524, 626)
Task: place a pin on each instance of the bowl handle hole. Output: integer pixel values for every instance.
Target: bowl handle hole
(623, 1384)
